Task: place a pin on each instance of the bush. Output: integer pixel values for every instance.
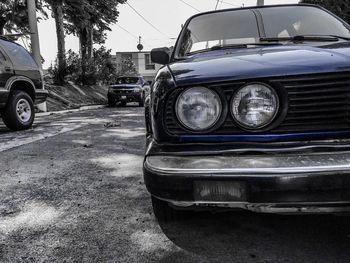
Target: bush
(99, 69)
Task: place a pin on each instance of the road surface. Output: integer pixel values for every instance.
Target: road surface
(71, 190)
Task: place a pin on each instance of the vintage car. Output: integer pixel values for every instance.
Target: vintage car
(127, 89)
(252, 111)
(21, 85)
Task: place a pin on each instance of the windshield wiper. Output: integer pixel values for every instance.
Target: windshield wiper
(301, 39)
(232, 46)
(341, 37)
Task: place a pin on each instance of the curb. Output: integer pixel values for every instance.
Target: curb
(83, 108)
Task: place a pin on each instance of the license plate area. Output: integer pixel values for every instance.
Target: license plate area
(123, 97)
(220, 191)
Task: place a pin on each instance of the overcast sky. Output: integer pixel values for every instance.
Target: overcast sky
(166, 15)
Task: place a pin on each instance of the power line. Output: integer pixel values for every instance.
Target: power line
(146, 20)
(224, 2)
(190, 6)
(131, 34)
(217, 4)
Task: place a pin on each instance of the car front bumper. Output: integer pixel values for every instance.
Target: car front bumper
(4, 94)
(127, 97)
(284, 183)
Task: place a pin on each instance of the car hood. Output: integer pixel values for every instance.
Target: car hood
(255, 63)
(125, 86)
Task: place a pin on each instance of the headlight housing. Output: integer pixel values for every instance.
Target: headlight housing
(198, 108)
(255, 106)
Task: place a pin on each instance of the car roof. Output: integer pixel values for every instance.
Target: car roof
(8, 40)
(130, 77)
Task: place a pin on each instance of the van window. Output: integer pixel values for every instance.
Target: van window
(18, 54)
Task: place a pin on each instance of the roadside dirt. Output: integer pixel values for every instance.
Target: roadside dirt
(73, 96)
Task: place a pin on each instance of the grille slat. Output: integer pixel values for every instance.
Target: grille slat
(316, 103)
(323, 97)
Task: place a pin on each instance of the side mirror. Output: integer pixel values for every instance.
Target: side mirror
(160, 55)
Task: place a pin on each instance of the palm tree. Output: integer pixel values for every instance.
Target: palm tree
(57, 8)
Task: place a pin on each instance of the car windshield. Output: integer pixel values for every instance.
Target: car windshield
(241, 27)
(128, 80)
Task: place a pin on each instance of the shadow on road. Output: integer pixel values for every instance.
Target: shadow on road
(245, 237)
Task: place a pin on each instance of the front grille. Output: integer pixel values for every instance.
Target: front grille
(317, 103)
(123, 91)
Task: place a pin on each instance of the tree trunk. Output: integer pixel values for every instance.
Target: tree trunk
(2, 28)
(83, 40)
(90, 42)
(57, 8)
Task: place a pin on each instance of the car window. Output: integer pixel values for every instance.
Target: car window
(208, 30)
(18, 54)
(294, 21)
(128, 80)
(232, 27)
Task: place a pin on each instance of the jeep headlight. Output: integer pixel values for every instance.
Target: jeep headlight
(198, 108)
(255, 106)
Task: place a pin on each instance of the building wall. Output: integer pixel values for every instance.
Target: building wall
(147, 70)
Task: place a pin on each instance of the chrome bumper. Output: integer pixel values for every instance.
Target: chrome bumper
(274, 165)
(270, 208)
(284, 184)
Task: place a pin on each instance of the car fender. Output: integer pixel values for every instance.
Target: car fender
(14, 79)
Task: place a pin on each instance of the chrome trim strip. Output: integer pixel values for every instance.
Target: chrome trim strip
(272, 165)
(272, 208)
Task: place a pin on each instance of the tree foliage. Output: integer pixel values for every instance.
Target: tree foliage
(126, 67)
(14, 15)
(339, 7)
(100, 68)
(89, 20)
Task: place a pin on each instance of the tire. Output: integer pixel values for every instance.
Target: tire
(165, 213)
(19, 112)
(141, 103)
(123, 104)
(112, 103)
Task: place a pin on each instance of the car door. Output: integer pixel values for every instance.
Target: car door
(6, 68)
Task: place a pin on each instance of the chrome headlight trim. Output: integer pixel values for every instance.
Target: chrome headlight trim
(216, 119)
(265, 124)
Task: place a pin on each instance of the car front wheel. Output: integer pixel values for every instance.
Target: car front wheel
(19, 112)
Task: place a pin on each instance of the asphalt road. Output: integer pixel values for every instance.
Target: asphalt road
(71, 190)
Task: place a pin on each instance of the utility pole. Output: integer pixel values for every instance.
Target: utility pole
(260, 3)
(34, 36)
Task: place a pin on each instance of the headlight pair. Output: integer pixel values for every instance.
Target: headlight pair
(253, 107)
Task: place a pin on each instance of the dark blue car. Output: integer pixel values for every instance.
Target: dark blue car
(252, 111)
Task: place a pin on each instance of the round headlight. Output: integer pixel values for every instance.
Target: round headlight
(198, 108)
(255, 106)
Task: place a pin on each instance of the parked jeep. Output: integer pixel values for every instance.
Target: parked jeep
(21, 85)
(252, 111)
(127, 89)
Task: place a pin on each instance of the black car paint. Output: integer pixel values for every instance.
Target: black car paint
(180, 74)
(15, 72)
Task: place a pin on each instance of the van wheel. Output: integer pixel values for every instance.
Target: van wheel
(19, 112)
(141, 103)
(165, 213)
(111, 102)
